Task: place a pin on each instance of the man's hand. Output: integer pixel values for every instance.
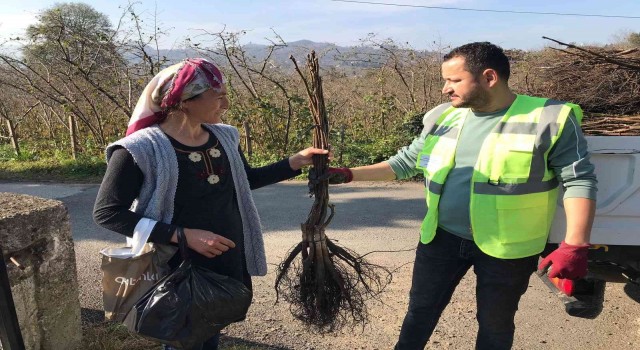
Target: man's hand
(568, 261)
(334, 175)
(205, 242)
(340, 176)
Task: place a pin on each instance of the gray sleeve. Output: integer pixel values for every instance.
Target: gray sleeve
(570, 160)
(403, 163)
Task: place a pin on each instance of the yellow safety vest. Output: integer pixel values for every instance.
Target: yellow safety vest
(513, 192)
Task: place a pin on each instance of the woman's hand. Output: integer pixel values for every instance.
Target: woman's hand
(304, 157)
(206, 243)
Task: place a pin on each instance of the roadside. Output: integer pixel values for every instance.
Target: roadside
(53, 170)
(369, 216)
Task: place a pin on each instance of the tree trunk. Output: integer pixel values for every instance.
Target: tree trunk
(247, 138)
(342, 131)
(13, 136)
(74, 137)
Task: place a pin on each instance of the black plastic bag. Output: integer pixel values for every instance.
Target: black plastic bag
(188, 306)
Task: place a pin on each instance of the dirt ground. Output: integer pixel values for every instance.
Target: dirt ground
(372, 217)
(369, 217)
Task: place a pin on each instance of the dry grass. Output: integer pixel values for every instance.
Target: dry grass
(115, 336)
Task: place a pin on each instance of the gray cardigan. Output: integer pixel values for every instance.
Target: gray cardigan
(153, 153)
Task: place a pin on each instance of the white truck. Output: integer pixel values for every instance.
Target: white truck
(615, 252)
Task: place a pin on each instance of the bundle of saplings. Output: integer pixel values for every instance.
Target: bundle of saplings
(325, 284)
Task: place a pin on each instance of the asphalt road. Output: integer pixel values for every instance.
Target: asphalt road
(278, 205)
(380, 216)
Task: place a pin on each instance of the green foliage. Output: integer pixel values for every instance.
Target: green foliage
(34, 164)
(8, 154)
(366, 152)
(411, 126)
(373, 111)
(263, 158)
(71, 42)
(50, 169)
(76, 29)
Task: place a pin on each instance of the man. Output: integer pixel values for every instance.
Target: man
(492, 162)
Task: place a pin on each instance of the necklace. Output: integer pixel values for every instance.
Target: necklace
(197, 156)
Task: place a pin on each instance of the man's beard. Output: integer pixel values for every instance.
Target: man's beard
(477, 99)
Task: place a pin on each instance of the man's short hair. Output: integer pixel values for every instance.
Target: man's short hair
(479, 56)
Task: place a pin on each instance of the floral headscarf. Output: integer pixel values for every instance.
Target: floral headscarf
(171, 86)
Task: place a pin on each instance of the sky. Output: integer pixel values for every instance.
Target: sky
(346, 23)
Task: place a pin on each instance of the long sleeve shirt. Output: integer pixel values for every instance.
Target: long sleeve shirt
(205, 199)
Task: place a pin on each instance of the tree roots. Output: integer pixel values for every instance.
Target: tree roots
(328, 287)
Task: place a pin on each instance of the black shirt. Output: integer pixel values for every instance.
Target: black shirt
(205, 199)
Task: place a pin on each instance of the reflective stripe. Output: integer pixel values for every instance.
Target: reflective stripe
(516, 128)
(434, 187)
(514, 189)
(434, 116)
(549, 118)
(445, 131)
(548, 128)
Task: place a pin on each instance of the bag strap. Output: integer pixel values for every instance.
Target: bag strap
(182, 244)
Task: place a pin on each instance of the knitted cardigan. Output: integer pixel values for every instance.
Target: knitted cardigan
(154, 154)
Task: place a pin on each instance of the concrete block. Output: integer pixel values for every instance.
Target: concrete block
(36, 233)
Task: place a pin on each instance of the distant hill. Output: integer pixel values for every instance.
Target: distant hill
(331, 55)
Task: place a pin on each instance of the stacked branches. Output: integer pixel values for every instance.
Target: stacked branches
(326, 288)
(604, 125)
(605, 82)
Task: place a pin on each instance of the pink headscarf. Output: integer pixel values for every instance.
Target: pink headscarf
(172, 85)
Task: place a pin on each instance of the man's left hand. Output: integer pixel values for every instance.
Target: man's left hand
(568, 261)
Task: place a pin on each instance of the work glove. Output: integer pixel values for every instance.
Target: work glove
(568, 261)
(334, 175)
(340, 175)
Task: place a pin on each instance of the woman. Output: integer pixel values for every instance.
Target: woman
(181, 166)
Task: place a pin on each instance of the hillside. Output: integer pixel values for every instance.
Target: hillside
(331, 55)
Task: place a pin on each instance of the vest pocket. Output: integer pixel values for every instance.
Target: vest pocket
(515, 155)
(522, 218)
(516, 164)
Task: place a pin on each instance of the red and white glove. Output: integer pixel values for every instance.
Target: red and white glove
(568, 261)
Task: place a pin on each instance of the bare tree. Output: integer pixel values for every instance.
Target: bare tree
(14, 109)
(277, 109)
